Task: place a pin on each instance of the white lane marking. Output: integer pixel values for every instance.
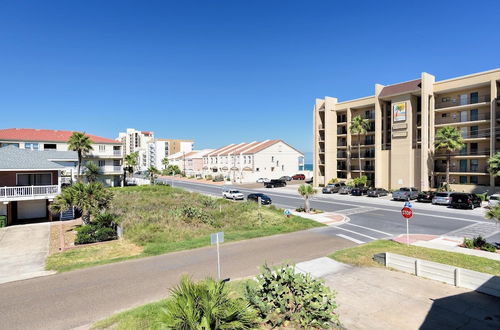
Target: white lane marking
(355, 232)
(351, 239)
(375, 230)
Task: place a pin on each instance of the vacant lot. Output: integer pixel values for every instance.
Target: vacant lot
(362, 255)
(161, 219)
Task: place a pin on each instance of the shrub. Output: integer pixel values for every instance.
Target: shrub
(484, 196)
(479, 241)
(488, 247)
(333, 180)
(360, 181)
(105, 234)
(284, 298)
(208, 177)
(101, 229)
(206, 305)
(85, 235)
(218, 178)
(468, 243)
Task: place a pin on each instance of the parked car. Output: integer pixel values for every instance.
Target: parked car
(463, 200)
(377, 192)
(332, 188)
(359, 191)
(232, 194)
(405, 194)
(262, 180)
(425, 196)
(494, 200)
(275, 183)
(286, 178)
(310, 181)
(264, 199)
(346, 190)
(299, 177)
(442, 198)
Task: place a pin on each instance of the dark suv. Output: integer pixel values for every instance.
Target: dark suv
(463, 200)
(275, 183)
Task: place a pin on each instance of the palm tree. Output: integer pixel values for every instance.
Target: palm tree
(493, 213)
(130, 161)
(449, 139)
(91, 199)
(206, 305)
(82, 144)
(359, 126)
(164, 162)
(152, 173)
(91, 171)
(494, 164)
(306, 191)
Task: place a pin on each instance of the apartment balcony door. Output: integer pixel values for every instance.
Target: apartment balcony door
(463, 165)
(474, 164)
(463, 116)
(463, 99)
(473, 114)
(463, 132)
(474, 97)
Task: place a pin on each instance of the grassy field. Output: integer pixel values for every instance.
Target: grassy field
(161, 219)
(148, 316)
(362, 256)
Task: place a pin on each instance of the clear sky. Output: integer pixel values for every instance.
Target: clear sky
(221, 72)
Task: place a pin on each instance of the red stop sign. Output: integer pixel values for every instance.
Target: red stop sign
(406, 212)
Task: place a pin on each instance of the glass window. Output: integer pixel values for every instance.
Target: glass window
(31, 146)
(34, 179)
(474, 97)
(102, 163)
(463, 179)
(473, 179)
(9, 144)
(49, 146)
(102, 148)
(473, 114)
(473, 131)
(474, 165)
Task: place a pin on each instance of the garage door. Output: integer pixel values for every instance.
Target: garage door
(31, 209)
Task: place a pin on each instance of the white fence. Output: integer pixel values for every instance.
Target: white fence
(457, 276)
(28, 191)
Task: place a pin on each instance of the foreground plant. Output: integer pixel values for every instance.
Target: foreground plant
(306, 191)
(285, 298)
(206, 305)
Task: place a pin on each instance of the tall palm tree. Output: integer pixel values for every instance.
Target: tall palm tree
(306, 191)
(91, 199)
(165, 162)
(91, 171)
(449, 139)
(494, 164)
(359, 126)
(130, 161)
(82, 144)
(206, 305)
(152, 173)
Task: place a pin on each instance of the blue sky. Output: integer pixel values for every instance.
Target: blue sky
(223, 71)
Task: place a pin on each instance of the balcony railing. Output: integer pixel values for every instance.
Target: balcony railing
(365, 168)
(341, 155)
(111, 169)
(454, 169)
(28, 191)
(459, 119)
(479, 152)
(456, 100)
(106, 153)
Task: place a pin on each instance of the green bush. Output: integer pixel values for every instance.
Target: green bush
(360, 181)
(333, 180)
(85, 235)
(479, 241)
(284, 298)
(206, 305)
(484, 196)
(208, 177)
(468, 243)
(488, 247)
(105, 234)
(101, 229)
(3, 221)
(321, 185)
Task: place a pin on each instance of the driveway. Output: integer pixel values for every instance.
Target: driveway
(23, 250)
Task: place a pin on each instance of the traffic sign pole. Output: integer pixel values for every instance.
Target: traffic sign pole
(218, 257)
(407, 234)
(407, 213)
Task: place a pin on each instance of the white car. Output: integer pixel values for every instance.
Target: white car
(232, 194)
(262, 180)
(494, 200)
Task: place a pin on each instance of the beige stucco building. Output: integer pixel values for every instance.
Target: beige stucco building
(398, 149)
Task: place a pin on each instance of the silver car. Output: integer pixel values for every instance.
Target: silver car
(494, 200)
(442, 198)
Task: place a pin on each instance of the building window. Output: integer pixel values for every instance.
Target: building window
(117, 162)
(102, 163)
(9, 144)
(463, 179)
(34, 179)
(31, 146)
(443, 115)
(473, 179)
(257, 169)
(49, 146)
(473, 114)
(445, 99)
(272, 159)
(102, 148)
(474, 165)
(474, 97)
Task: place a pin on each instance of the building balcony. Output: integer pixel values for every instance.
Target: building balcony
(342, 155)
(105, 154)
(480, 170)
(458, 121)
(367, 168)
(111, 169)
(28, 192)
(480, 153)
(321, 127)
(457, 103)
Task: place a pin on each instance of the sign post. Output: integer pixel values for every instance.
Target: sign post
(407, 214)
(217, 238)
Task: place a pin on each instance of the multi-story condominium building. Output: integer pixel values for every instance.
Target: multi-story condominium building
(106, 153)
(163, 148)
(191, 163)
(137, 141)
(29, 182)
(398, 149)
(246, 162)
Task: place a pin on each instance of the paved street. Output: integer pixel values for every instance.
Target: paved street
(373, 218)
(78, 298)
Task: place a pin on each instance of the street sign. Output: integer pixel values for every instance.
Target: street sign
(217, 238)
(408, 204)
(407, 212)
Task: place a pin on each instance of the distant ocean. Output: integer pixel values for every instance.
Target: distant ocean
(308, 167)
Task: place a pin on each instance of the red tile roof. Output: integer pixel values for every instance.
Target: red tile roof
(401, 88)
(261, 146)
(45, 135)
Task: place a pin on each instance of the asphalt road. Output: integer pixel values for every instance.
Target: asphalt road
(372, 219)
(81, 297)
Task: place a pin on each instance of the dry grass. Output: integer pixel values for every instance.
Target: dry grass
(68, 232)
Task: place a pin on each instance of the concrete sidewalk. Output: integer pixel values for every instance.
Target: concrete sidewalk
(23, 249)
(376, 298)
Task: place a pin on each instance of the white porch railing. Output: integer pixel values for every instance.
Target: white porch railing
(28, 191)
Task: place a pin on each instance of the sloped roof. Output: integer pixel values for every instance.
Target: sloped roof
(402, 88)
(13, 158)
(45, 135)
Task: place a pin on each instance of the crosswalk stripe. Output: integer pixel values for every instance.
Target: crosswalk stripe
(375, 230)
(350, 238)
(354, 232)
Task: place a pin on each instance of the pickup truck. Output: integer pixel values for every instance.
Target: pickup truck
(232, 194)
(405, 194)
